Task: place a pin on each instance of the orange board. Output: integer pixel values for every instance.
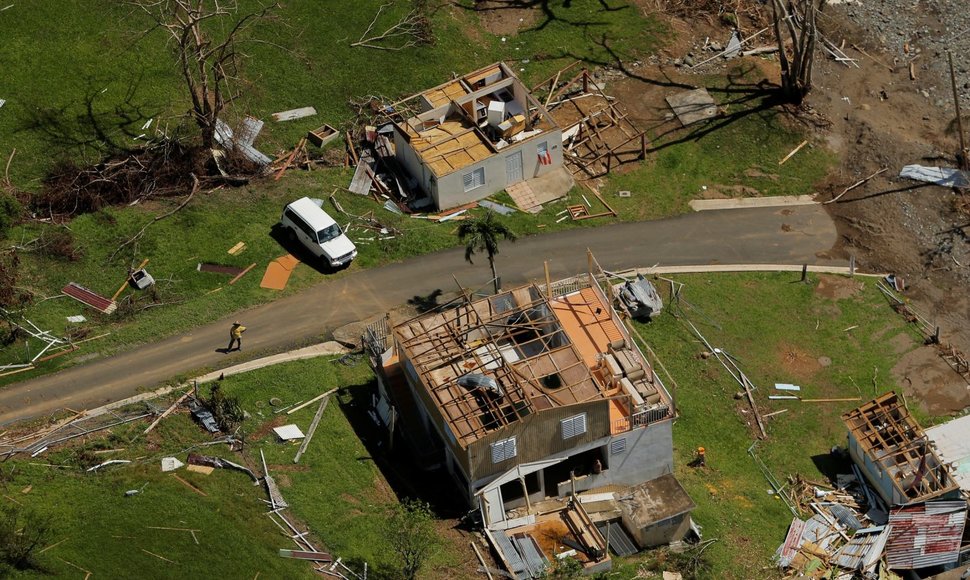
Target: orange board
(278, 272)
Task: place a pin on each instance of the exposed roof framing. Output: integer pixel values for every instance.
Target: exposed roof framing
(513, 338)
(892, 439)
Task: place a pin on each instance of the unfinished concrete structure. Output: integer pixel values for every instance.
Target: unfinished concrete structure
(474, 135)
(533, 394)
(895, 455)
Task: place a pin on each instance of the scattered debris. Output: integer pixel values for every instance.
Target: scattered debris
(293, 114)
(288, 432)
(311, 401)
(220, 463)
(787, 387)
(237, 249)
(942, 176)
(76, 319)
(109, 462)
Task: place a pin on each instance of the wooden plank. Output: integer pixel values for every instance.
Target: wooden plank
(293, 114)
(190, 486)
(310, 431)
(168, 411)
(243, 273)
(312, 401)
(305, 555)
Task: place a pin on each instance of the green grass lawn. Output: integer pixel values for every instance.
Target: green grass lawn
(336, 490)
(778, 329)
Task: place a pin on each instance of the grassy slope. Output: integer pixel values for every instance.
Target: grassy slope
(777, 329)
(336, 491)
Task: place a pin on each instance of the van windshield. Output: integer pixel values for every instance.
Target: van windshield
(328, 233)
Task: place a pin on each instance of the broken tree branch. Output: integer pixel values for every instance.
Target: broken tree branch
(413, 29)
(141, 232)
(853, 186)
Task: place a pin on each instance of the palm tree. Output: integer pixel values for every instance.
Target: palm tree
(482, 233)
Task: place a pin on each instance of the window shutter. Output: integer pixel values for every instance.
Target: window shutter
(503, 450)
(573, 426)
(617, 446)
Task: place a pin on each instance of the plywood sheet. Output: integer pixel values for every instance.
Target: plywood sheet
(692, 106)
(278, 272)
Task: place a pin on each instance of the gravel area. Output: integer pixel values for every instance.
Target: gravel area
(922, 30)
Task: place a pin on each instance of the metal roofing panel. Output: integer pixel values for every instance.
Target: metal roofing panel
(787, 550)
(620, 543)
(864, 549)
(504, 545)
(927, 534)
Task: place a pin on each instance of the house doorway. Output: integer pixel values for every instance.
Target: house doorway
(513, 168)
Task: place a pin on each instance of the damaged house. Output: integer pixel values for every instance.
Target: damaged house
(542, 409)
(473, 136)
(895, 455)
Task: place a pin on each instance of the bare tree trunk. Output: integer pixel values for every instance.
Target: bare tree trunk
(207, 64)
(798, 17)
(491, 262)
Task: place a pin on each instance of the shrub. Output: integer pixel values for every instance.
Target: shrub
(10, 211)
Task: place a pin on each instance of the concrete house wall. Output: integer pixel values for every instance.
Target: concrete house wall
(450, 191)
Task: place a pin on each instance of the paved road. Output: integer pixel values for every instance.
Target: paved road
(790, 235)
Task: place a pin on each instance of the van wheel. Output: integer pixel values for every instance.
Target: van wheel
(291, 235)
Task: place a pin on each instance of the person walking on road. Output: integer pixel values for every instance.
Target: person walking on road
(235, 336)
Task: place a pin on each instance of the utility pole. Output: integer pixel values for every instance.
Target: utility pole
(963, 158)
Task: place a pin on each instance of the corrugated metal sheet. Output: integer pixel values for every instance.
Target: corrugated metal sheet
(535, 562)
(926, 535)
(504, 545)
(787, 550)
(864, 549)
(621, 543)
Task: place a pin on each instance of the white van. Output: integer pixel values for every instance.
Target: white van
(307, 223)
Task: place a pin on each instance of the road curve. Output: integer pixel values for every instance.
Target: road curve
(780, 235)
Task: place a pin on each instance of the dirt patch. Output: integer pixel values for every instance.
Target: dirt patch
(900, 343)
(923, 374)
(349, 499)
(267, 428)
(504, 18)
(837, 288)
(796, 362)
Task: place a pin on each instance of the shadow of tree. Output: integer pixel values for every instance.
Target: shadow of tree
(95, 127)
(426, 303)
(549, 9)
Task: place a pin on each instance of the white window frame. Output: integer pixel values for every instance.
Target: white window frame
(474, 179)
(573, 426)
(503, 450)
